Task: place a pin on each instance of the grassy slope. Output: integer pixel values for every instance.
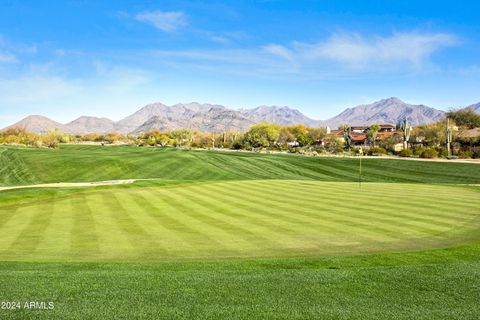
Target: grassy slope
(438, 284)
(90, 163)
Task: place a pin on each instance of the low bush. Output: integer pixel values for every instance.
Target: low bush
(406, 153)
(476, 155)
(418, 151)
(377, 151)
(442, 152)
(464, 154)
(429, 154)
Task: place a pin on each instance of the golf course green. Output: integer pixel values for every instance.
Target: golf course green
(236, 235)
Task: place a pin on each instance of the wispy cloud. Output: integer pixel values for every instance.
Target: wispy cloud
(471, 70)
(227, 37)
(167, 21)
(6, 57)
(352, 50)
(279, 51)
(339, 55)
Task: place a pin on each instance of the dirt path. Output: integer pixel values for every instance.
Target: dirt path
(72, 184)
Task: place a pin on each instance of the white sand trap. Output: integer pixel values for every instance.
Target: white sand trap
(71, 184)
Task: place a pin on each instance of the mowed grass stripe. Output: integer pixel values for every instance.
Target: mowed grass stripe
(61, 222)
(427, 173)
(248, 218)
(276, 217)
(297, 226)
(320, 215)
(33, 232)
(94, 163)
(113, 239)
(132, 224)
(424, 207)
(260, 218)
(235, 223)
(83, 233)
(182, 233)
(380, 213)
(426, 213)
(222, 230)
(12, 221)
(13, 168)
(397, 191)
(170, 240)
(199, 233)
(399, 205)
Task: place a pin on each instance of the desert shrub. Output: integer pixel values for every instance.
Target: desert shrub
(429, 154)
(464, 154)
(406, 153)
(237, 145)
(377, 151)
(418, 151)
(442, 152)
(476, 155)
(338, 150)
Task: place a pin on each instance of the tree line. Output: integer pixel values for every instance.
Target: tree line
(425, 140)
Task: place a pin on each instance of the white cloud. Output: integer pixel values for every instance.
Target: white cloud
(356, 51)
(280, 51)
(227, 37)
(471, 70)
(167, 21)
(338, 56)
(6, 57)
(31, 88)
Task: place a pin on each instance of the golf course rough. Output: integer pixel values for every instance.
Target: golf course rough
(237, 236)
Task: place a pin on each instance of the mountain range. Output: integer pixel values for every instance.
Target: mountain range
(218, 118)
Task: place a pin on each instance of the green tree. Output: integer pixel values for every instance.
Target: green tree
(465, 118)
(316, 134)
(372, 132)
(262, 135)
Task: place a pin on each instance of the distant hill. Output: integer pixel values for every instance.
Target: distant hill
(280, 115)
(391, 110)
(166, 115)
(39, 124)
(215, 118)
(86, 124)
(475, 107)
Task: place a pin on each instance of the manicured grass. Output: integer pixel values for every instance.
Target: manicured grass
(250, 218)
(440, 284)
(238, 236)
(92, 163)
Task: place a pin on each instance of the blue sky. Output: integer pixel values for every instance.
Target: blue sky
(66, 58)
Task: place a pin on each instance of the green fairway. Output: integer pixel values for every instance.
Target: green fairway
(254, 218)
(237, 236)
(72, 163)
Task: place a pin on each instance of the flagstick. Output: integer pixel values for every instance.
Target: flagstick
(360, 170)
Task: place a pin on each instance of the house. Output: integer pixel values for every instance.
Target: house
(359, 134)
